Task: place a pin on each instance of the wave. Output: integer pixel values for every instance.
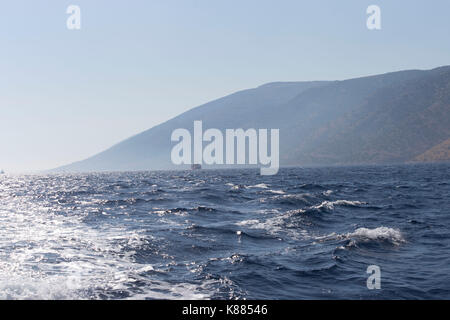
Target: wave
(391, 235)
(204, 209)
(235, 187)
(312, 186)
(275, 226)
(260, 186)
(121, 202)
(302, 199)
(329, 205)
(365, 235)
(276, 191)
(174, 211)
(183, 211)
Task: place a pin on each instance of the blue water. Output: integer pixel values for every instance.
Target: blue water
(227, 234)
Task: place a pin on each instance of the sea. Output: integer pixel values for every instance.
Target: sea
(305, 233)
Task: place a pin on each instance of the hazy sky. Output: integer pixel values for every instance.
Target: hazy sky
(66, 95)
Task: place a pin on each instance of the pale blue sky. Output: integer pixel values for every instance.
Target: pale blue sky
(66, 95)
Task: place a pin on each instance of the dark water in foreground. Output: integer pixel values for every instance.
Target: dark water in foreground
(232, 234)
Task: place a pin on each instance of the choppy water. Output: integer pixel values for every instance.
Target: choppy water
(231, 234)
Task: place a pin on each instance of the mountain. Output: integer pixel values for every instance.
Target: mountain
(438, 153)
(390, 118)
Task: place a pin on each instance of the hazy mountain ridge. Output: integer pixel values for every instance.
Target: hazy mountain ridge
(438, 153)
(389, 118)
(395, 123)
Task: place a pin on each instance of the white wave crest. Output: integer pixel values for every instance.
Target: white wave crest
(382, 233)
(277, 191)
(331, 204)
(361, 235)
(260, 185)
